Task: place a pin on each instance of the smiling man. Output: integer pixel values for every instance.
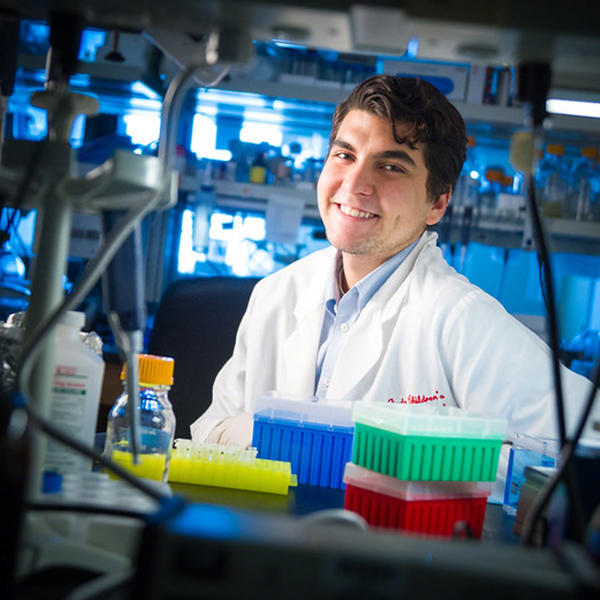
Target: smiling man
(373, 196)
(380, 316)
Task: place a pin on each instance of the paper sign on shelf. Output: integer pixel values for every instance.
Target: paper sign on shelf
(283, 218)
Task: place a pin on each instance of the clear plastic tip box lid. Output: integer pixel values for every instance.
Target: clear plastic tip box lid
(286, 408)
(414, 490)
(429, 421)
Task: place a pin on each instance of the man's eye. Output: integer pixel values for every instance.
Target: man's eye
(393, 168)
(342, 155)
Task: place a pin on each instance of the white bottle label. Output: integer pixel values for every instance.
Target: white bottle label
(68, 412)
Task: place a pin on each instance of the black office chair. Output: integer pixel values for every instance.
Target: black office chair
(196, 324)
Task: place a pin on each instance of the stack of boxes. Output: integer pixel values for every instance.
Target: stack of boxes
(419, 469)
(424, 469)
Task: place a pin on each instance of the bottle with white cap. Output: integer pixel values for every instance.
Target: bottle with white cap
(75, 397)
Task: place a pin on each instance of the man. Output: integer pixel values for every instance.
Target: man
(380, 316)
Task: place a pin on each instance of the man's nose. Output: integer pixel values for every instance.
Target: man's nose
(358, 179)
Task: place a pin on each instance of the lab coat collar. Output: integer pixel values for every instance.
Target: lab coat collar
(300, 348)
(318, 289)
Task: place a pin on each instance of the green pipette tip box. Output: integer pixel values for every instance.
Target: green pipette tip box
(439, 444)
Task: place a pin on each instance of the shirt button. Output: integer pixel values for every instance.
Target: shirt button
(344, 327)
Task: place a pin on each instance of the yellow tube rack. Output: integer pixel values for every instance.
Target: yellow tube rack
(229, 467)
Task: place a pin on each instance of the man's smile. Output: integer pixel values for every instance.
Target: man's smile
(354, 212)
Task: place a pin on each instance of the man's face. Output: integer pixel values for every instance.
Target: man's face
(372, 191)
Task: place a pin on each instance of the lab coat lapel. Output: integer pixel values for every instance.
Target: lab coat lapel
(300, 348)
(366, 344)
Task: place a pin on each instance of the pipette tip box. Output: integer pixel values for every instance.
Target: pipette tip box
(427, 443)
(526, 450)
(315, 437)
(432, 507)
(228, 467)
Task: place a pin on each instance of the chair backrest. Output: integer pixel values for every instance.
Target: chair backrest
(196, 324)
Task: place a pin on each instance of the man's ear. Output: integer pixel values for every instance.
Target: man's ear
(437, 209)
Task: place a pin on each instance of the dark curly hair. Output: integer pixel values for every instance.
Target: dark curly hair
(431, 118)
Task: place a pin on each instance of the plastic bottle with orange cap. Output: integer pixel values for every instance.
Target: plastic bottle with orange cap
(157, 421)
(553, 183)
(466, 194)
(585, 205)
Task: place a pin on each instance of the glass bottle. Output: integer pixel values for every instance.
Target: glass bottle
(468, 184)
(157, 421)
(552, 181)
(586, 186)
(488, 196)
(258, 169)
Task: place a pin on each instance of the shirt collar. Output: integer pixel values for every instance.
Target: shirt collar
(368, 285)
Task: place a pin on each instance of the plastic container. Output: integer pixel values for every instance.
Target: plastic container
(315, 437)
(585, 204)
(553, 181)
(157, 421)
(229, 467)
(469, 180)
(526, 451)
(427, 443)
(488, 196)
(75, 397)
(258, 168)
(424, 507)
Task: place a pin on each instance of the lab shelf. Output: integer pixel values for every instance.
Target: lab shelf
(566, 235)
(331, 92)
(255, 196)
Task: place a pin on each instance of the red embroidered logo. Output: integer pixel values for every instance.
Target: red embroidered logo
(419, 399)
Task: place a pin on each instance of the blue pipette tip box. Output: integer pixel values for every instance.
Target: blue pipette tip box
(315, 437)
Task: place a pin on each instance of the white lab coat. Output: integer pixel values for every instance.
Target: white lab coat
(426, 336)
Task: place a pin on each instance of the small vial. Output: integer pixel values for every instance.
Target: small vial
(157, 421)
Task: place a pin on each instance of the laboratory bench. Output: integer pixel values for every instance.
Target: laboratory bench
(268, 514)
(308, 499)
(56, 582)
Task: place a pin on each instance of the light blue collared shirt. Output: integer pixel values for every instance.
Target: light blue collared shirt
(341, 312)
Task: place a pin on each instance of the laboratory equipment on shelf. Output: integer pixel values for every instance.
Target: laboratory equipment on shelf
(157, 421)
(469, 180)
(553, 183)
(585, 205)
